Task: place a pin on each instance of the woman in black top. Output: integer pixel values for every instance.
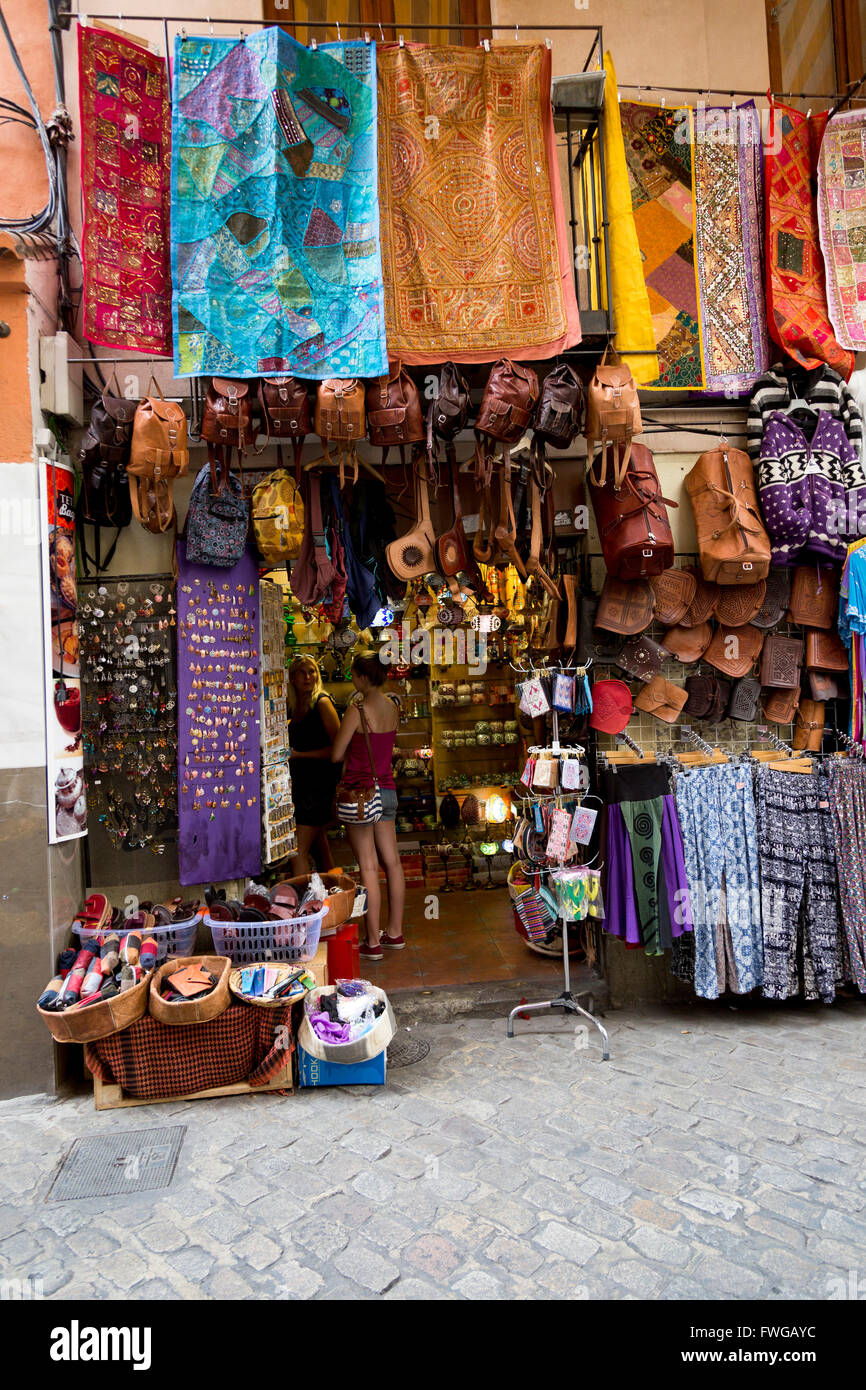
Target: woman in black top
(313, 726)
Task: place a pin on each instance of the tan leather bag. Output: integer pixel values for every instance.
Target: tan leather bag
(688, 643)
(809, 725)
(158, 454)
(340, 419)
(625, 607)
(825, 651)
(674, 591)
(780, 705)
(662, 698)
(734, 650)
(737, 604)
(732, 541)
(612, 411)
(815, 596)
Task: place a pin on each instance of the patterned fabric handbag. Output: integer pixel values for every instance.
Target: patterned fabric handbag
(217, 521)
(360, 805)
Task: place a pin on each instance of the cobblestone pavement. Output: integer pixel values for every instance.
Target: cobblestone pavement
(718, 1155)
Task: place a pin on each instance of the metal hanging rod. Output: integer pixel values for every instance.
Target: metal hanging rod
(720, 92)
(361, 27)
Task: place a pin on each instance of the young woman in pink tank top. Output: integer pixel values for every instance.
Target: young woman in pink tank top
(376, 843)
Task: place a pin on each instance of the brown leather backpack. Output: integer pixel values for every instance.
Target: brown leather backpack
(507, 410)
(734, 546)
(612, 409)
(394, 411)
(557, 420)
(631, 513)
(449, 409)
(104, 497)
(227, 424)
(158, 454)
(285, 409)
(340, 419)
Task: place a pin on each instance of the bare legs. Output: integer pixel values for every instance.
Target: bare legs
(364, 846)
(301, 859)
(385, 836)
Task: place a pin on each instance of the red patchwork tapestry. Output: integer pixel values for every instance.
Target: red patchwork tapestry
(125, 186)
(796, 286)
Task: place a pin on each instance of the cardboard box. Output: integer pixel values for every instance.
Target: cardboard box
(318, 966)
(313, 1072)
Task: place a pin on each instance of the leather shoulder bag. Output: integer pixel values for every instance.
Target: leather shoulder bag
(733, 544)
(158, 454)
(631, 513)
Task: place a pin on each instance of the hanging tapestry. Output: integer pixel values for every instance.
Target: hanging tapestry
(796, 287)
(276, 266)
(125, 162)
(842, 225)
(474, 243)
(728, 243)
(659, 154)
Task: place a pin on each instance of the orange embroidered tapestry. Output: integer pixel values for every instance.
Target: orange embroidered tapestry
(475, 255)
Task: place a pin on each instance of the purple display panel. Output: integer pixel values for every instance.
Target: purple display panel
(218, 737)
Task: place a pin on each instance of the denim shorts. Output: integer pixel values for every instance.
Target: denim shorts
(389, 803)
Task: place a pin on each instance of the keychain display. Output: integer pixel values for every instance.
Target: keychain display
(129, 721)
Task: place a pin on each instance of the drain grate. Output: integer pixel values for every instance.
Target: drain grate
(113, 1165)
(404, 1051)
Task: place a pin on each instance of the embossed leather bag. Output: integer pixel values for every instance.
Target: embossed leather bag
(734, 650)
(815, 596)
(745, 700)
(825, 651)
(701, 694)
(661, 698)
(701, 607)
(674, 590)
(733, 543)
(159, 453)
(776, 599)
(626, 608)
(780, 706)
(781, 662)
(641, 657)
(631, 513)
(809, 725)
(738, 604)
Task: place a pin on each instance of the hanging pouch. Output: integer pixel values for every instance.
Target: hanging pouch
(569, 774)
(583, 824)
(563, 694)
(533, 700)
(545, 774)
(557, 839)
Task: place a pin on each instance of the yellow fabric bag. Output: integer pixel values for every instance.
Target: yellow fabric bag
(278, 517)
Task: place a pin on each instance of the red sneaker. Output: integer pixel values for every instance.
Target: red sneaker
(367, 952)
(396, 943)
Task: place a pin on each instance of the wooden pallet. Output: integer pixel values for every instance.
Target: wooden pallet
(112, 1097)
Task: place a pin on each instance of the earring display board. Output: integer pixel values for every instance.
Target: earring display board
(129, 720)
(219, 755)
(278, 813)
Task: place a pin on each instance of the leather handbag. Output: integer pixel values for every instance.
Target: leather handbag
(560, 407)
(824, 687)
(781, 662)
(721, 696)
(733, 544)
(825, 651)
(701, 692)
(674, 590)
(734, 650)
(661, 698)
(313, 572)
(745, 700)
(394, 410)
(776, 599)
(284, 405)
(612, 409)
(413, 554)
(506, 412)
(104, 498)
(809, 725)
(453, 552)
(688, 643)
(596, 644)
(737, 604)
(360, 805)
(780, 705)
(814, 596)
(625, 608)
(340, 419)
(701, 607)
(641, 657)
(631, 513)
(159, 453)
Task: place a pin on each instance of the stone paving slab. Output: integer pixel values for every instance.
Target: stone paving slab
(718, 1155)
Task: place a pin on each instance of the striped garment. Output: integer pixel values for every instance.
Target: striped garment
(824, 389)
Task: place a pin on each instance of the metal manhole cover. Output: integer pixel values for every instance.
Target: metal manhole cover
(404, 1051)
(138, 1160)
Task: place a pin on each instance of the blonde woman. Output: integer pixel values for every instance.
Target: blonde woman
(313, 726)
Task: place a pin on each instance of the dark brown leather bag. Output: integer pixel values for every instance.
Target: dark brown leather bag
(737, 604)
(661, 698)
(721, 698)
(641, 657)
(688, 643)
(631, 513)
(825, 651)
(780, 706)
(734, 650)
(814, 596)
(227, 424)
(781, 662)
(104, 498)
(284, 404)
(596, 644)
(625, 608)
(732, 541)
(449, 410)
(394, 414)
(674, 590)
(557, 419)
(506, 412)
(745, 700)
(701, 692)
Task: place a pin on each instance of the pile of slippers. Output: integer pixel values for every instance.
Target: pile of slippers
(283, 902)
(114, 953)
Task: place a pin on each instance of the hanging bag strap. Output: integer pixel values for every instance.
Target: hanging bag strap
(365, 731)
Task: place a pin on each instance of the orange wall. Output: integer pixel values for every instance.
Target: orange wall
(22, 167)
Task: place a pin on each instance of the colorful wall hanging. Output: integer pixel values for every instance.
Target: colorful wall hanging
(276, 266)
(728, 244)
(659, 153)
(796, 287)
(218, 753)
(842, 225)
(474, 246)
(125, 166)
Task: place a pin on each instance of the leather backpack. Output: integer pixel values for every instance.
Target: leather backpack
(733, 543)
(159, 453)
(104, 496)
(506, 412)
(557, 420)
(227, 424)
(340, 419)
(217, 520)
(449, 410)
(612, 408)
(631, 513)
(278, 517)
(394, 411)
(284, 403)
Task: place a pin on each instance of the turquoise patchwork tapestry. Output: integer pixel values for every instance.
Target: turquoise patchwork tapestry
(276, 267)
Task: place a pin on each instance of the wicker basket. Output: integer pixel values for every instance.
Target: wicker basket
(340, 904)
(235, 987)
(82, 1025)
(181, 1015)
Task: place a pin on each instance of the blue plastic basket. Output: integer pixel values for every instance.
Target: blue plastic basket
(178, 939)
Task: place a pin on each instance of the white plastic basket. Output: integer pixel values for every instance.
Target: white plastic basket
(177, 939)
(289, 939)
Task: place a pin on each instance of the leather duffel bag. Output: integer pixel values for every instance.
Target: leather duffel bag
(631, 513)
(733, 544)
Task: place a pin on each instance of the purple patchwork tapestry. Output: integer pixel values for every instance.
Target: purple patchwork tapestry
(218, 736)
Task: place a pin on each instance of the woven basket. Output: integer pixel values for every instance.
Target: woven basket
(340, 904)
(82, 1025)
(180, 1015)
(235, 987)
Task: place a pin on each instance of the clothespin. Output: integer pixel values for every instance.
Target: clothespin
(402, 43)
(339, 35)
(367, 38)
(485, 44)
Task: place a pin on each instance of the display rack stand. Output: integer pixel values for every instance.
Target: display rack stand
(565, 999)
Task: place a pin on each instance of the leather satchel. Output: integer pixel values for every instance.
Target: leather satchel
(674, 590)
(780, 706)
(625, 608)
(781, 662)
(394, 410)
(661, 698)
(701, 692)
(631, 513)
(809, 725)
(104, 498)
(158, 454)
(596, 644)
(733, 543)
(734, 650)
(284, 404)
(745, 700)
(824, 687)
(612, 409)
(776, 599)
(825, 651)
(814, 596)
(701, 607)
(641, 657)
(688, 643)
(557, 419)
(721, 696)
(339, 418)
(737, 604)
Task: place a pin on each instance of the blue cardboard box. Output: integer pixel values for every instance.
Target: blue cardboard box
(313, 1072)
